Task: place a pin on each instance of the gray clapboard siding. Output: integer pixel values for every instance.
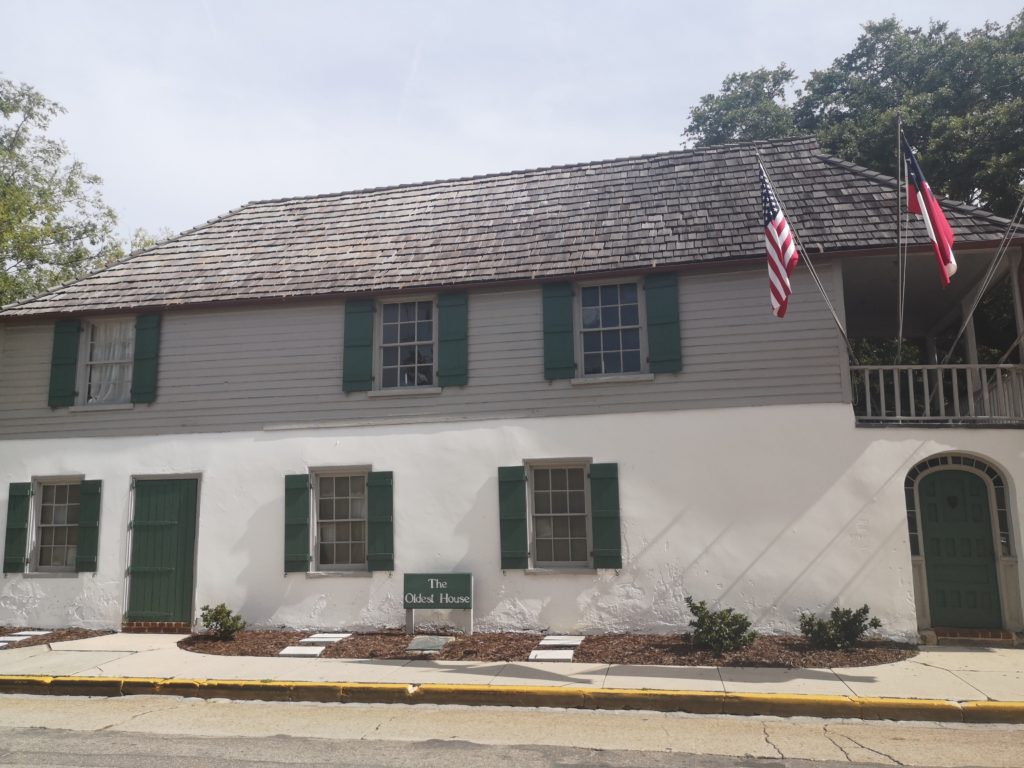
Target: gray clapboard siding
(276, 364)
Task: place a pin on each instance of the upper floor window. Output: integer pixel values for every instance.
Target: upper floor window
(107, 363)
(610, 328)
(407, 344)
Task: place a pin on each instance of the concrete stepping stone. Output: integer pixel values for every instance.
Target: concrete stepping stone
(3, 645)
(302, 651)
(34, 632)
(427, 644)
(325, 638)
(562, 641)
(13, 638)
(552, 654)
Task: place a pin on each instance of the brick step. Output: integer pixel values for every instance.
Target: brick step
(158, 627)
(972, 636)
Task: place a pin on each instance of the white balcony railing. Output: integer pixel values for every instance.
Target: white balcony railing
(939, 394)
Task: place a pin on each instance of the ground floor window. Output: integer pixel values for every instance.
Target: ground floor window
(57, 525)
(340, 520)
(560, 515)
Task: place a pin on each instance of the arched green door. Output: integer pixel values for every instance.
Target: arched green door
(959, 557)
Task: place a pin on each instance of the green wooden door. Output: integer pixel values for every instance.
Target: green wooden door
(958, 554)
(163, 546)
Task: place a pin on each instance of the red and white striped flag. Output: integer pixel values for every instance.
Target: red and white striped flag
(921, 201)
(782, 255)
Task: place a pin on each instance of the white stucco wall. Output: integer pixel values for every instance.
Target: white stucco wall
(771, 510)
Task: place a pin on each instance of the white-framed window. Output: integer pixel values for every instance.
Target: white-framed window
(611, 329)
(105, 361)
(339, 513)
(408, 343)
(55, 524)
(559, 503)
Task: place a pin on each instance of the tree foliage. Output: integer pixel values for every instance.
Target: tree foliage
(960, 96)
(54, 225)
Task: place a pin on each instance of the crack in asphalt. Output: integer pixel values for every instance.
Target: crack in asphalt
(836, 744)
(864, 747)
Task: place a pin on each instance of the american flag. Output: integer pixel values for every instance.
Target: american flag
(778, 239)
(921, 201)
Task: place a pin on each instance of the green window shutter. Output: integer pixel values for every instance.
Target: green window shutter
(661, 294)
(147, 358)
(604, 508)
(296, 523)
(452, 340)
(16, 540)
(357, 363)
(559, 356)
(88, 526)
(64, 363)
(515, 551)
(380, 526)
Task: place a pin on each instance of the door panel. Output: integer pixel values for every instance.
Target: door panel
(960, 561)
(163, 545)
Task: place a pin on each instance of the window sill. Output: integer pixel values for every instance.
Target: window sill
(618, 378)
(405, 392)
(50, 574)
(581, 571)
(101, 407)
(339, 574)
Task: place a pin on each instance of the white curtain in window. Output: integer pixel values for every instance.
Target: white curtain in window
(110, 358)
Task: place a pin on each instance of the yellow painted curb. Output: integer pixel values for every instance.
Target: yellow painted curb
(993, 712)
(696, 702)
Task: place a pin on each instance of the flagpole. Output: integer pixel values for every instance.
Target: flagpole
(806, 260)
(901, 279)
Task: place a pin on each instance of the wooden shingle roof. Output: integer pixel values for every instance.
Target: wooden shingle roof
(637, 213)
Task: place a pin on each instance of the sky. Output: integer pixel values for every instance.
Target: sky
(190, 108)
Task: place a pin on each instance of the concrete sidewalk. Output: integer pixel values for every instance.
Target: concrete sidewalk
(942, 683)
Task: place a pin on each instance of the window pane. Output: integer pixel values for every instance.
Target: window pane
(576, 479)
(543, 503)
(561, 550)
(326, 509)
(326, 486)
(74, 493)
(630, 361)
(72, 514)
(630, 315)
(578, 527)
(627, 293)
(327, 533)
(390, 377)
(631, 339)
(358, 485)
(357, 508)
(579, 550)
(326, 554)
(612, 362)
(343, 532)
(390, 313)
(425, 310)
(390, 355)
(358, 553)
(390, 333)
(545, 528)
(591, 317)
(610, 340)
(424, 331)
(425, 354)
(59, 515)
(590, 296)
(60, 535)
(45, 556)
(559, 504)
(47, 514)
(358, 532)
(591, 342)
(425, 376)
(341, 509)
(561, 527)
(407, 376)
(47, 537)
(592, 363)
(407, 311)
(577, 503)
(558, 481)
(542, 479)
(609, 294)
(609, 317)
(49, 494)
(544, 551)
(341, 486)
(73, 534)
(62, 494)
(407, 332)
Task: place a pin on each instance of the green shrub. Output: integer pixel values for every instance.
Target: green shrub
(720, 631)
(221, 622)
(842, 629)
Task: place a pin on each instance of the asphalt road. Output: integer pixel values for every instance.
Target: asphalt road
(164, 731)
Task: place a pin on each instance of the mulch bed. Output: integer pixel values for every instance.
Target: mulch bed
(55, 636)
(676, 650)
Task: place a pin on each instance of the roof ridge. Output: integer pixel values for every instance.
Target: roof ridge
(890, 181)
(627, 159)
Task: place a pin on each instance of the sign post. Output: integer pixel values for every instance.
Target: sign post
(439, 592)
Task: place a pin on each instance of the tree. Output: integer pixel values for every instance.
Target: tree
(54, 225)
(960, 96)
(142, 238)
